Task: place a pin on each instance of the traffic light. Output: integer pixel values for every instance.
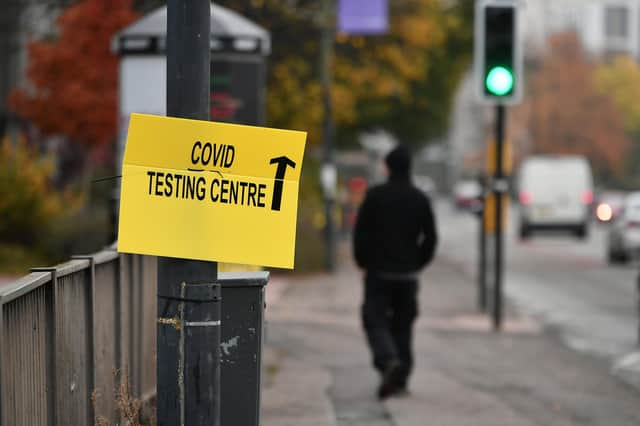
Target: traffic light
(498, 53)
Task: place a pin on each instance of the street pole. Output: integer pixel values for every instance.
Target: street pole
(188, 333)
(638, 307)
(498, 190)
(482, 258)
(328, 129)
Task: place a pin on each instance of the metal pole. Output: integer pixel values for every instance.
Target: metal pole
(482, 266)
(328, 129)
(638, 303)
(497, 191)
(188, 370)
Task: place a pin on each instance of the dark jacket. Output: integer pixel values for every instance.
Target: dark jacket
(395, 229)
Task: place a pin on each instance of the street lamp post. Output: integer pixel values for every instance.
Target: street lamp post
(328, 132)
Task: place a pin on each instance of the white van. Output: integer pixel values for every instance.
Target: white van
(555, 192)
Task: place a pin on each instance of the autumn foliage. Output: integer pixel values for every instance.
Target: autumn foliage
(401, 81)
(620, 79)
(569, 115)
(73, 77)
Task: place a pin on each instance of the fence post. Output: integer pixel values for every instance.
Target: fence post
(52, 344)
(118, 314)
(91, 341)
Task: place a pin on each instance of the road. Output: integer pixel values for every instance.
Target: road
(564, 282)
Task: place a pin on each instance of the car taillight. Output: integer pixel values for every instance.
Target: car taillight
(525, 198)
(587, 197)
(633, 224)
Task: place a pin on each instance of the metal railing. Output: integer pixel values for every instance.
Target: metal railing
(68, 332)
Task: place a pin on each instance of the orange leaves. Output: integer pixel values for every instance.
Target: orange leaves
(569, 115)
(73, 78)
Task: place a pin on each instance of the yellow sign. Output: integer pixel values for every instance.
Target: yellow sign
(210, 191)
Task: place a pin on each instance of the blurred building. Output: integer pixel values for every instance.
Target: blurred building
(604, 26)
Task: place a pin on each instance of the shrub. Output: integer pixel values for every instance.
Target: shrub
(310, 238)
(40, 224)
(27, 200)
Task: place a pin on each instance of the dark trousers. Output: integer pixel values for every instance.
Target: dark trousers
(389, 310)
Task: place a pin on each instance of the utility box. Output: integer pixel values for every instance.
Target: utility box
(241, 346)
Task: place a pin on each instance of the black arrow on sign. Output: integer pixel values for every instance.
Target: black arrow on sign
(282, 162)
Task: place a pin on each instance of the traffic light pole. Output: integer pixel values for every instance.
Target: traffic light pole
(189, 308)
(498, 191)
(482, 252)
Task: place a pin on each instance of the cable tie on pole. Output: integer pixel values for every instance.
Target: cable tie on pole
(183, 299)
(202, 323)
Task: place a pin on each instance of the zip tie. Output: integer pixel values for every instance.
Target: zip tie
(182, 299)
(179, 324)
(202, 323)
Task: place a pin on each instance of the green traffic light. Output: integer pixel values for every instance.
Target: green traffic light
(499, 81)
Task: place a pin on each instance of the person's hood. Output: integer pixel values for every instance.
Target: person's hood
(399, 161)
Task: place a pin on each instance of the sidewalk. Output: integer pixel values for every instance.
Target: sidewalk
(317, 367)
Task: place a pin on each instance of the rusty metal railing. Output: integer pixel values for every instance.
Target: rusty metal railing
(68, 332)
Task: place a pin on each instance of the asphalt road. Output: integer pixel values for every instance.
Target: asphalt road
(561, 280)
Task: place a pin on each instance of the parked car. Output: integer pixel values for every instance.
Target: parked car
(555, 193)
(623, 242)
(608, 206)
(466, 194)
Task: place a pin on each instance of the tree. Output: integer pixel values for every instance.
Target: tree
(402, 81)
(73, 75)
(568, 115)
(620, 80)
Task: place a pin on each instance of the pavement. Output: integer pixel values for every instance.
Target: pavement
(317, 367)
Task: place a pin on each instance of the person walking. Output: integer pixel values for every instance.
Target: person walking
(395, 237)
